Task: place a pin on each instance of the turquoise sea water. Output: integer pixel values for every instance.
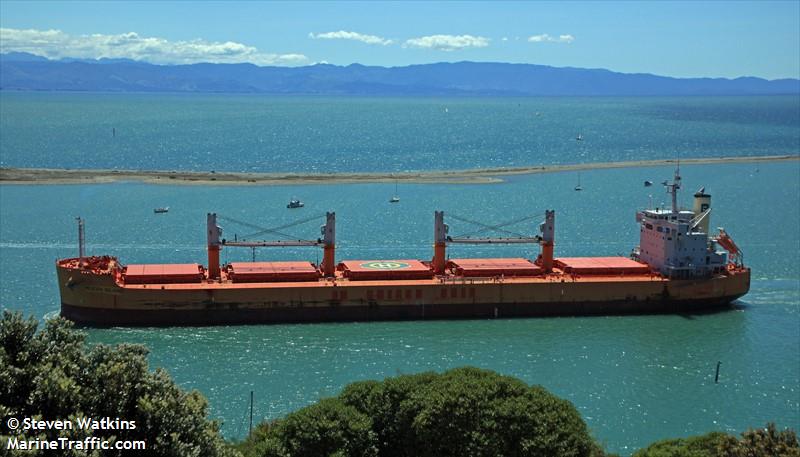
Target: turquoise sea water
(313, 134)
(635, 379)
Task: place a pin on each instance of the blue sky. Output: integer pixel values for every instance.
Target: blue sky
(683, 39)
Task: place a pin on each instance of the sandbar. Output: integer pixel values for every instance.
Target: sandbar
(473, 176)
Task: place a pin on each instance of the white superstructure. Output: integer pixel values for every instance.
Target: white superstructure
(675, 242)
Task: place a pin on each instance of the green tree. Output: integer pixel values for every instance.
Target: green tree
(326, 428)
(697, 446)
(766, 442)
(51, 374)
(462, 412)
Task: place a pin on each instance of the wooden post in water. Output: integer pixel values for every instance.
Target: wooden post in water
(251, 414)
(716, 378)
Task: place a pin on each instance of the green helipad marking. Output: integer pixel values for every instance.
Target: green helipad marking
(385, 265)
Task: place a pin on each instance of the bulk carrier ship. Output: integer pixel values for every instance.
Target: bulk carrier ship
(677, 267)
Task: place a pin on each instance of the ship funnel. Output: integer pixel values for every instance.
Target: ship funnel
(702, 203)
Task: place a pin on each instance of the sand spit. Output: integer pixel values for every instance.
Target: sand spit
(476, 176)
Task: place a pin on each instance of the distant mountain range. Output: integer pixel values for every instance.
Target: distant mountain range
(22, 71)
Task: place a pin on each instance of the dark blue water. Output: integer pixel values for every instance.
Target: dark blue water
(634, 379)
(312, 134)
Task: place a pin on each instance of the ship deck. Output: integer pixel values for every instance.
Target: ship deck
(340, 281)
(372, 273)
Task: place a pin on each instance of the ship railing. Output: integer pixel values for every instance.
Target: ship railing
(469, 280)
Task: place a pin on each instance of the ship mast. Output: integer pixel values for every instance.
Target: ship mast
(672, 188)
(81, 241)
(440, 230)
(213, 233)
(328, 232)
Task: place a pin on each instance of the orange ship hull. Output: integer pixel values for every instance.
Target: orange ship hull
(97, 296)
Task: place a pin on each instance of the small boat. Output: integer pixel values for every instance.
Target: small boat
(648, 183)
(395, 198)
(161, 210)
(578, 187)
(579, 137)
(295, 203)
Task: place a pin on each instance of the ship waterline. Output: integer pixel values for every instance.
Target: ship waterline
(98, 299)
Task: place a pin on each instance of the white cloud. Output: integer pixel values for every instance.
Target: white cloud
(344, 35)
(55, 44)
(545, 38)
(447, 42)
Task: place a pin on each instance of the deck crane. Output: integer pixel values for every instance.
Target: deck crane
(327, 241)
(441, 239)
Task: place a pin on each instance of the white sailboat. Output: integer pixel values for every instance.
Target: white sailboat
(394, 198)
(578, 187)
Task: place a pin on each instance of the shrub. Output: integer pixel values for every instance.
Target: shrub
(51, 374)
(766, 442)
(462, 412)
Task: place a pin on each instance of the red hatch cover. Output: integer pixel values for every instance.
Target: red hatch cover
(494, 267)
(168, 273)
(272, 271)
(385, 269)
(601, 265)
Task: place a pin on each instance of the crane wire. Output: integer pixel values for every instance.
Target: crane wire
(285, 226)
(497, 227)
(263, 230)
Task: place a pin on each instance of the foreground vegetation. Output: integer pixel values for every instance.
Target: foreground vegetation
(765, 442)
(462, 412)
(50, 373)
